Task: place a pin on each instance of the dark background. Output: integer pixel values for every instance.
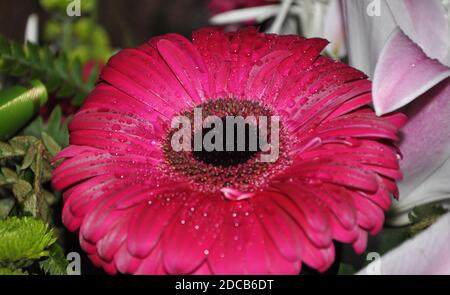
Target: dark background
(128, 22)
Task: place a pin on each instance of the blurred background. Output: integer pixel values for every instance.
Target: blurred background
(127, 23)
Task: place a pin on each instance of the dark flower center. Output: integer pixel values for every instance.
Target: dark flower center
(233, 157)
(228, 137)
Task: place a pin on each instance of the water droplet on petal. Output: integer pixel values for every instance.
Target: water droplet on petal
(116, 127)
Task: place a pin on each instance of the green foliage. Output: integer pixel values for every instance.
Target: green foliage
(56, 263)
(60, 76)
(346, 269)
(61, 5)
(92, 39)
(12, 272)
(424, 216)
(53, 128)
(27, 243)
(18, 105)
(24, 239)
(81, 37)
(25, 166)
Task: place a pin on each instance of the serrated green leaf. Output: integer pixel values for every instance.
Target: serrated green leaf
(56, 263)
(21, 189)
(6, 150)
(54, 121)
(10, 175)
(34, 128)
(22, 143)
(54, 127)
(30, 61)
(6, 205)
(24, 238)
(50, 144)
(29, 157)
(47, 171)
(31, 205)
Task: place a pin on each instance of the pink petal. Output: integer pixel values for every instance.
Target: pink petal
(425, 254)
(425, 22)
(403, 73)
(189, 69)
(426, 150)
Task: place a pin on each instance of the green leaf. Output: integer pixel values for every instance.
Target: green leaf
(50, 144)
(21, 189)
(60, 75)
(54, 128)
(12, 272)
(18, 105)
(56, 263)
(6, 150)
(22, 143)
(10, 175)
(24, 238)
(30, 156)
(424, 216)
(6, 205)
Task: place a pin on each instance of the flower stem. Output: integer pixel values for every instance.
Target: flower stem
(281, 17)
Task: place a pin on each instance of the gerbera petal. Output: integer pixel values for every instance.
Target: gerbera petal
(149, 222)
(187, 66)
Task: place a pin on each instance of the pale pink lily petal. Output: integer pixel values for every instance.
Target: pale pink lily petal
(426, 138)
(403, 73)
(426, 23)
(414, 256)
(426, 151)
(369, 25)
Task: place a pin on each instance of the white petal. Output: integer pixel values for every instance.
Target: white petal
(334, 30)
(32, 29)
(245, 14)
(425, 254)
(366, 35)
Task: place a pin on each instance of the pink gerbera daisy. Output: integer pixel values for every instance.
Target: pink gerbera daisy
(143, 208)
